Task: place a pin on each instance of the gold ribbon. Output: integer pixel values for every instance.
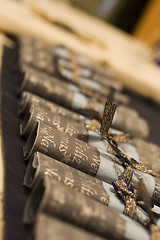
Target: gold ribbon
(121, 185)
(155, 232)
(94, 126)
(131, 161)
(129, 198)
(108, 115)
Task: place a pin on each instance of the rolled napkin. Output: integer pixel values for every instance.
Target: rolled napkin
(50, 228)
(83, 157)
(65, 54)
(36, 54)
(70, 72)
(28, 98)
(76, 86)
(58, 93)
(128, 120)
(63, 124)
(42, 165)
(56, 199)
(41, 56)
(61, 146)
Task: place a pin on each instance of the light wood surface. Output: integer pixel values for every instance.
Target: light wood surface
(88, 36)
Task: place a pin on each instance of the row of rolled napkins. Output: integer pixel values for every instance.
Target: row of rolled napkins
(71, 168)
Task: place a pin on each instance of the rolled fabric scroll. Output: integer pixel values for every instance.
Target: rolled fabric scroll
(62, 123)
(130, 115)
(101, 74)
(128, 120)
(56, 199)
(79, 76)
(42, 165)
(140, 150)
(41, 56)
(83, 157)
(49, 227)
(57, 93)
(63, 147)
(36, 54)
(27, 99)
(66, 54)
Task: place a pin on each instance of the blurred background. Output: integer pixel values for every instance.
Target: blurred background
(140, 18)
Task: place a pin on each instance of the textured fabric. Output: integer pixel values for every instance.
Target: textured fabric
(15, 193)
